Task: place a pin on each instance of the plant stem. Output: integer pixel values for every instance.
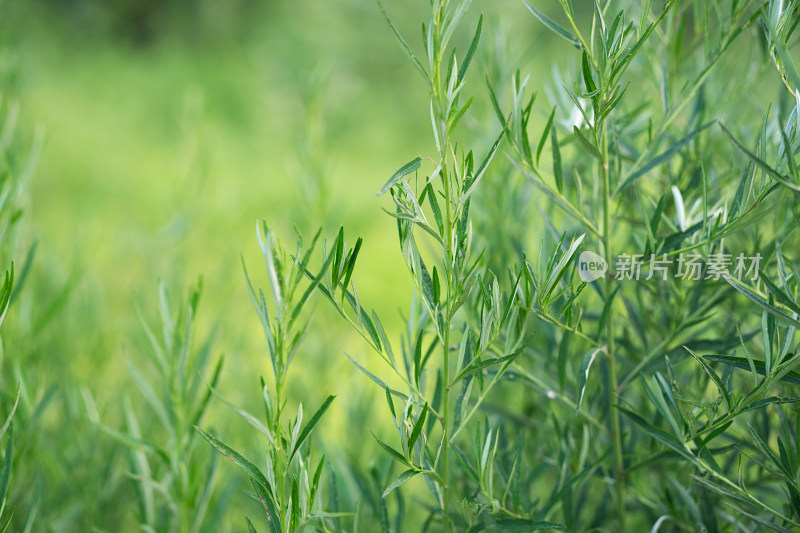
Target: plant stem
(278, 444)
(445, 426)
(448, 252)
(440, 101)
(616, 433)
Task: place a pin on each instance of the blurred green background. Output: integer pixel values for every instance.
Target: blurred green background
(167, 130)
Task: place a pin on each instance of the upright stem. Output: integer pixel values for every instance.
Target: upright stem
(446, 429)
(448, 254)
(439, 99)
(276, 430)
(616, 433)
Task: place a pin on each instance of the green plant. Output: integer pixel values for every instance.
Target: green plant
(15, 172)
(287, 488)
(463, 331)
(175, 482)
(615, 154)
(580, 348)
(615, 175)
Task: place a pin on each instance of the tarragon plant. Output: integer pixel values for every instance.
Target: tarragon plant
(287, 485)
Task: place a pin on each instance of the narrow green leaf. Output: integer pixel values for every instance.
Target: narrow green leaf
(134, 442)
(558, 271)
(369, 374)
(545, 133)
(482, 168)
(760, 520)
(557, 172)
(315, 483)
(587, 144)
(400, 480)
(754, 297)
(5, 475)
(777, 176)
(523, 524)
(495, 103)
(477, 365)
(741, 362)
(780, 295)
(714, 377)
(663, 437)
(471, 51)
(309, 427)
(714, 434)
(150, 397)
(587, 74)
(251, 469)
(267, 244)
(560, 31)
(270, 506)
(406, 169)
(253, 421)
(415, 433)
(204, 401)
(10, 416)
(404, 45)
(6, 292)
(384, 339)
(457, 117)
(468, 469)
(318, 278)
(764, 402)
(662, 157)
(586, 365)
(350, 266)
(397, 456)
(295, 514)
(426, 283)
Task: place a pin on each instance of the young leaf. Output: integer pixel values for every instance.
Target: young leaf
(777, 176)
(482, 168)
(253, 421)
(592, 149)
(557, 172)
(400, 480)
(760, 367)
(415, 433)
(397, 456)
(754, 297)
(404, 45)
(523, 524)
(586, 365)
(251, 469)
(587, 75)
(406, 169)
(477, 365)
(662, 157)
(471, 51)
(306, 431)
(560, 31)
(714, 377)
(545, 133)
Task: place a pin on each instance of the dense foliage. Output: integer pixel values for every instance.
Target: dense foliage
(600, 305)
